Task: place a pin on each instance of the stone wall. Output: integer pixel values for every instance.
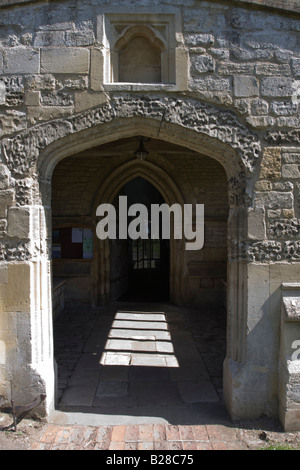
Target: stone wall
(242, 60)
(230, 90)
(245, 60)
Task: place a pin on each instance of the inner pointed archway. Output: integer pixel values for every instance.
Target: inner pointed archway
(143, 262)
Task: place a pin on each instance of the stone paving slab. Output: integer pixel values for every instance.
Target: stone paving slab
(139, 334)
(197, 391)
(141, 316)
(140, 324)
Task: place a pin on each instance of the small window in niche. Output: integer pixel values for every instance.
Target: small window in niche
(140, 61)
(144, 48)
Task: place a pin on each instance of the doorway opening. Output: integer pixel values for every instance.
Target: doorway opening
(147, 261)
(110, 343)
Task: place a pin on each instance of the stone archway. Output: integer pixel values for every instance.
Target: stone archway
(170, 193)
(30, 158)
(196, 124)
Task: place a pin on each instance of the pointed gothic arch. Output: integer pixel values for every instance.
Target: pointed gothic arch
(34, 153)
(170, 193)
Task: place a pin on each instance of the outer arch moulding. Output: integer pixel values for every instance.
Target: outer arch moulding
(23, 152)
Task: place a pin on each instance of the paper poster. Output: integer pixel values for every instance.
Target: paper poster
(55, 236)
(87, 247)
(77, 235)
(56, 251)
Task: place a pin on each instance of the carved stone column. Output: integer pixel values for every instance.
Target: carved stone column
(26, 309)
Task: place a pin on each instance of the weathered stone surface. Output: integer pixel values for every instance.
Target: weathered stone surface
(203, 64)
(292, 250)
(32, 98)
(284, 228)
(49, 38)
(23, 189)
(256, 224)
(235, 69)
(85, 100)
(78, 83)
(263, 185)
(38, 114)
(277, 86)
(199, 39)
(12, 251)
(296, 66)
(244, 54)
(237, 190)
(18, 222)
(292, 157)
(22, 60)
(273, 251)
(245, 86)
(97, 69)
(6, 199)
(261, 121)
(14, 84)
(2, 92)
(79, 38)
(267, 251)
(193, 22)
(4, 177)
(291, 170)
(274, 200)
(59, 98)
(283, 186)
(273, 69)
(41, 82)
(22, 152)
(284, 108)
(259, 107)
(65, 60)
(271, 163)
(283, 137)
(213, 88)
(12, 121)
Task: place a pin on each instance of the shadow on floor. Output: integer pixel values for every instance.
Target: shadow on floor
(141, 362)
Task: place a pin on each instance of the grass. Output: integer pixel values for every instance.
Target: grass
(281, 447)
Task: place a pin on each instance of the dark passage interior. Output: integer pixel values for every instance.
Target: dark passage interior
(148, 260)
(99, 271)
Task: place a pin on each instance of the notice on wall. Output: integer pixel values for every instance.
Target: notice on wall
(77, 234)
(87, 243)
(56, 250)
(55, 236)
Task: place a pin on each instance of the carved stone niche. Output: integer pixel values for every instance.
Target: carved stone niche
(138, 56)
(291, 301)
(145, 49)
(289, 361)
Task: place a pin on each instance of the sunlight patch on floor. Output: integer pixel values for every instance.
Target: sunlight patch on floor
(139, 339)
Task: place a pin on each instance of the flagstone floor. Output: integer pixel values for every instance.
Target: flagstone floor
(139, 363)
(140, 377)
